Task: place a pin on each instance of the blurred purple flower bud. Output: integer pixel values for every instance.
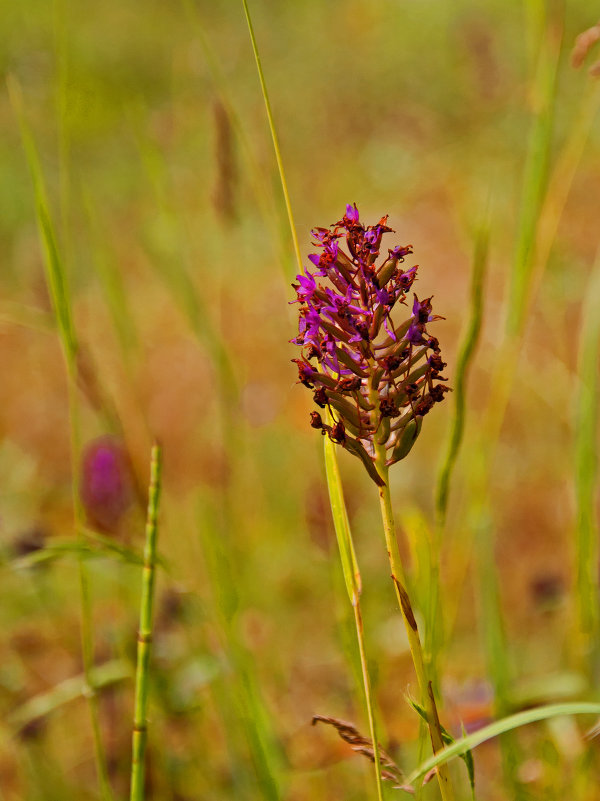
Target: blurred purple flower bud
(106, 483)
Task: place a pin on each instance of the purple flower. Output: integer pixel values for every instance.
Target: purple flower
(421, 316)
(399, 252)
(106, 483)
(306, 288)
(354, 353)
(352, 213)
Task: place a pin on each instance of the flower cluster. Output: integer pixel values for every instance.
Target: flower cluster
(376, 378)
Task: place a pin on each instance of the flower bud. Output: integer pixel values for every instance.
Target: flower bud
(406, 440)
(106, 483)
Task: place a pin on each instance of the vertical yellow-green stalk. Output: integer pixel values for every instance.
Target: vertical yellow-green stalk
(263, 191)
(353, 583)
(239, 690)
(523, 274)
(282, 178)
(427, 698)
(586, 474)
(57, 283)
(140, 724)
(463, 362)
(336, 496)
(434, 633)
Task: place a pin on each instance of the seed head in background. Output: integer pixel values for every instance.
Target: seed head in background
(377, 379)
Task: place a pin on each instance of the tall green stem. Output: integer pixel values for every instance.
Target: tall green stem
(368, 696)
(353, 583)
(412, 631)
(87, 632)
(265, 94)
(140, 726)
(57, 283)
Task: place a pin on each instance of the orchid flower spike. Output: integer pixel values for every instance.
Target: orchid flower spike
(376, 378)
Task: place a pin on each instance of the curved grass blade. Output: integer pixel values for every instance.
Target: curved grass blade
(66, 691)
(56, 276)
(448, 739)
(499, 727)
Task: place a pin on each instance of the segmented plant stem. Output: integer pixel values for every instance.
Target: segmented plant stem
(414, 641)
(140, 726)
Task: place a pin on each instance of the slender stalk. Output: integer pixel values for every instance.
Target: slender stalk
(140, 725)
(412, 631)
(274, 137)
(45, 703)
(468, 344)
(57, 283)
(368, 696)
(586, 473)
(348, 557)
(87, 628)
(353, 583)
(435, 632)
(520, 296)
(262, 188)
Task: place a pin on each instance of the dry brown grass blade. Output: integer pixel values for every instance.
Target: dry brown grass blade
(583, 44)
(363, 745)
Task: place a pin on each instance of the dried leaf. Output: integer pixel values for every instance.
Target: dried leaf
(583, 44)
(363, 745)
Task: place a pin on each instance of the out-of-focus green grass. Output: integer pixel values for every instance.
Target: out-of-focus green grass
(172, 232)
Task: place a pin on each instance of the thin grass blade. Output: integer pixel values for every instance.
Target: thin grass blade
(341, 522)
(467, 348)
(70, 689)
(274, 137)
(507, 724)
(586, 468)
(56, 275)
(535, 180)
(353, 583)
(56, 279)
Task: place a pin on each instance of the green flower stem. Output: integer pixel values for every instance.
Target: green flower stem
(414, 641)
(140, 726)
(274, 137)
(353, 584)
(368, 699)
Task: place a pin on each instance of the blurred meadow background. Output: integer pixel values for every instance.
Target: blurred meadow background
(137, 166)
